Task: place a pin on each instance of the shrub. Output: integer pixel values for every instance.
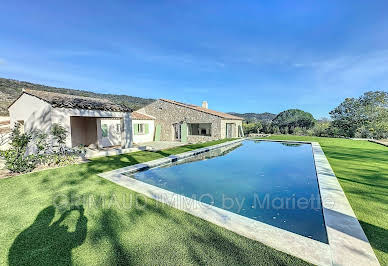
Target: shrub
(284, 130)
(252, 127)
(59, 134)
(16, 162)
(299, 131)
(16, 159)
(320, 129)
(40, 140)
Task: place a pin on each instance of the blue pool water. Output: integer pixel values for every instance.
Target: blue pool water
(271, 182)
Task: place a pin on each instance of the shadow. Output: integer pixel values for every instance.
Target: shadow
(361, 154)
(157, 234)
(377, 236)
(46, 242)
(108, 222)
(363, 183)
(346, 224)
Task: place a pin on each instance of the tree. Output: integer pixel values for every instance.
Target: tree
(252, 127)
(292, 118)
(361, 114)
(59, 133)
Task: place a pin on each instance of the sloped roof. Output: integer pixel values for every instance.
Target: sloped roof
(140, 116)
(79, 102)
(204, 110)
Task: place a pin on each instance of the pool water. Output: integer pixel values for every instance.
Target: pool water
(271, 182)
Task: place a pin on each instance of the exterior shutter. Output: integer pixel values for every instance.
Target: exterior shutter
(184, 132)
(136, 129)
(146, 128)
(157, 132)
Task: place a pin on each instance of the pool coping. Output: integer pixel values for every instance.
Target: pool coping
(347, 241)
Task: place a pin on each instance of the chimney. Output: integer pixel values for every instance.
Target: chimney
(204, 104)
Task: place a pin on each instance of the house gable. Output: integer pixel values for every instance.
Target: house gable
(34, 112)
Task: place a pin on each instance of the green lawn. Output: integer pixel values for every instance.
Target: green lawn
(104, 227)
(362, 170)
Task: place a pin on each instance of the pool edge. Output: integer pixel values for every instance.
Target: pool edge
(346, 245)
(347, 240)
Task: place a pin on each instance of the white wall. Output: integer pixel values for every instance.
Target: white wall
(114, 136)
(144, 137)
(38, 114)
(35, 113)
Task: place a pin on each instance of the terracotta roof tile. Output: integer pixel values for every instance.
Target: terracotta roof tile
(140, 116)
(204, 110)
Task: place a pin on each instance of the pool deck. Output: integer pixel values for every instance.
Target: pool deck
(348, 244)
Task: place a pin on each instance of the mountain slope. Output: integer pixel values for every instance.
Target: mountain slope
(10, 89)
(254, 117)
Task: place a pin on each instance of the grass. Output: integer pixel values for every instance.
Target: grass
(362, 170)
(70, 215)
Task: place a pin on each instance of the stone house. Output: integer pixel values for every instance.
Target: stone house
(87, 120)
(176, 121)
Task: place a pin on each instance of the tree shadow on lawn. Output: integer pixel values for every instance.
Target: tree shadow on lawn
(355, 154)
(369, 184)
(169, 236)
(377, 236)
(76, 175)
(46, 242)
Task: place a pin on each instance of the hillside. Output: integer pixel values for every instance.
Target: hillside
(10, 89)
(253, 117)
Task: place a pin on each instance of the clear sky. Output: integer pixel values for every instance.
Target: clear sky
(242, 56)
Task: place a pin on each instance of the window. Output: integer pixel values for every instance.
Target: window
(200, 129)
(104, 130)
(141, 129)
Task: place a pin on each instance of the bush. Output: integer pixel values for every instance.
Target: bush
(17, 163)
(252, 127)
(320, 129)
(59, 134)
(40, 140)
(16, 159)
(299, 131)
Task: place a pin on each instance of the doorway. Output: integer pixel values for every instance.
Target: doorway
(229, 130)
(177, 131)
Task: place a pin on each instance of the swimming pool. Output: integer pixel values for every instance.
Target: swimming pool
(271, 182)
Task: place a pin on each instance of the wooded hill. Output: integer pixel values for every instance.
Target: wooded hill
(10, 89)
(254, 117)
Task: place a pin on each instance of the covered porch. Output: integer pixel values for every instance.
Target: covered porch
(98, 132)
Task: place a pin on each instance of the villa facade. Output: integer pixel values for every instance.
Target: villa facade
(99, 123)
(176, 121)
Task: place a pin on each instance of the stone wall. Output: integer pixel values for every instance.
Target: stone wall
(167, 114)
(235, 127)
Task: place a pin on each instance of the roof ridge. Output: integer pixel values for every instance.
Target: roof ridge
(67, 95)
(204, 110)
(62, 100)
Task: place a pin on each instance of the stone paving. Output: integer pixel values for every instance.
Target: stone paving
(161, 145)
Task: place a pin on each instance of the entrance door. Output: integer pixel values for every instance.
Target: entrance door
(229, 130)
(157, 133)
(177, 131)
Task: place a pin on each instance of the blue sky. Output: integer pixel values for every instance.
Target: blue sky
(242, 56)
